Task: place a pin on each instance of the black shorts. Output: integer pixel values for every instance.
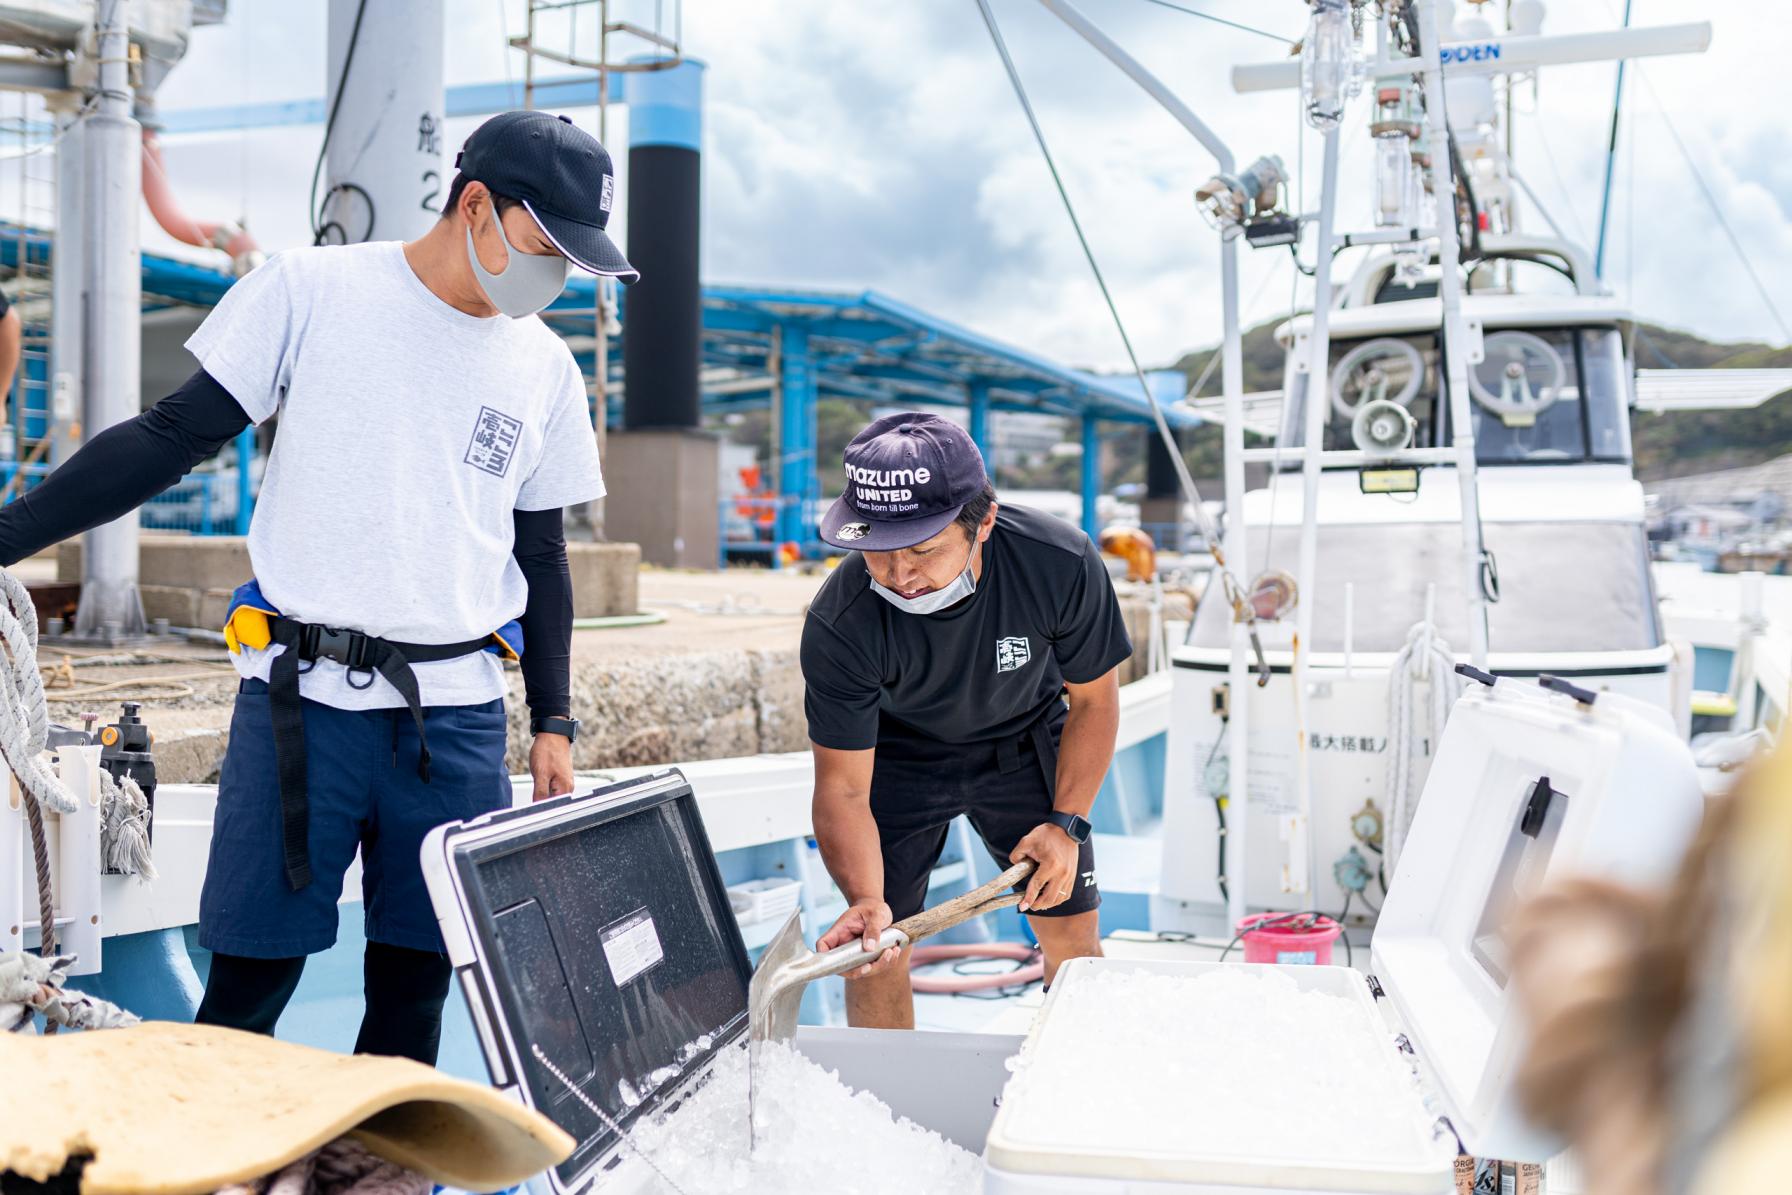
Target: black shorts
(1003, 788)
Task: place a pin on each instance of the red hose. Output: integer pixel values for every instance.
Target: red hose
(1033, 967)
(158, 192)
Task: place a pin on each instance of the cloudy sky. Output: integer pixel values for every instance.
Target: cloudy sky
(852, 144)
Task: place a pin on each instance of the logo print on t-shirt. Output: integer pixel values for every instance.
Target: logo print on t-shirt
(494, 441)
(1012, 653)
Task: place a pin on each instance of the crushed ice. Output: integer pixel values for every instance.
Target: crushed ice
(815, 1135)
(1238, 1061)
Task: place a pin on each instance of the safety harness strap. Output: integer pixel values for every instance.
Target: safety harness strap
(358, 652)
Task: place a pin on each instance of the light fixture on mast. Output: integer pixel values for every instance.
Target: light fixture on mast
(1253, 202)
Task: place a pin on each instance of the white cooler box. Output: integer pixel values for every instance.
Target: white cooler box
(1528, 783)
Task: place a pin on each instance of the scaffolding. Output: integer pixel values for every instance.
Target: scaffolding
(30, 190)
(552, 34)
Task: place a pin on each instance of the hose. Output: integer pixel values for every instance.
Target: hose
(1031, 970)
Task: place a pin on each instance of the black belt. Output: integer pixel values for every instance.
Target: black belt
(307, 643)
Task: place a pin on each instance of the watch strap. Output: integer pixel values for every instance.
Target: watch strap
(555, 725)
(1074, 824)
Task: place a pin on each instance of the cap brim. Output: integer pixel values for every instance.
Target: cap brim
(585, 245)
(886, 536)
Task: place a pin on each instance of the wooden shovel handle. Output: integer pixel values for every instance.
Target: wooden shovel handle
(992, 896)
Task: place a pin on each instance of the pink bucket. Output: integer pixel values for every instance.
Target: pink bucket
(1288, 938)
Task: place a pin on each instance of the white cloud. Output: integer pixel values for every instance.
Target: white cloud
(878, 146)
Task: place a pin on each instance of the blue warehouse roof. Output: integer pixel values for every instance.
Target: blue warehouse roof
(865, 346)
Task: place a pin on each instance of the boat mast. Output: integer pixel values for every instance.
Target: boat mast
(1476, 564)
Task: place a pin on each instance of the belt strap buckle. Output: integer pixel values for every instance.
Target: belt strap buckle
(348, 648)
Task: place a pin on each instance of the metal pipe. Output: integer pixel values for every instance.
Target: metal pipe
(1352, 458)
(1611, 157)
(1238, 675)
(1449, 289)
(1318, 406)
(1135, 71)
(113, 269)
(67, 285)
(1505, 55)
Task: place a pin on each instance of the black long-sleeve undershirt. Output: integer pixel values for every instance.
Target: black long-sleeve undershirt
(122, 467)
(540, 552)
(129, 463)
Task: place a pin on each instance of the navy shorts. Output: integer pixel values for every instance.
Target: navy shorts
(1002, 788)
(363, 792)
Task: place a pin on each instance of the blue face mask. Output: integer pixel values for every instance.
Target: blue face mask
(931, 603)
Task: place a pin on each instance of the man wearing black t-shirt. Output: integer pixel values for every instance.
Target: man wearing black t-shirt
(937, 660)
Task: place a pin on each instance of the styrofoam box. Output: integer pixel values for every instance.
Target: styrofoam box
(1068, 1167)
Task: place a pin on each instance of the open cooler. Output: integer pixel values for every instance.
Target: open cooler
(1527, 783)
(598, 929)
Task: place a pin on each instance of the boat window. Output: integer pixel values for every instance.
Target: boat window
(1526, 399)
(1398, 369)
(1564, 587)
(1605, 375)
(1539, 395)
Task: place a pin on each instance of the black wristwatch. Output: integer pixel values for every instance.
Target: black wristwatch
(566, 726)
(1073, 824)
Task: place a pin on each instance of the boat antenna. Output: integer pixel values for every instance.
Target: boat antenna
(1242, 609)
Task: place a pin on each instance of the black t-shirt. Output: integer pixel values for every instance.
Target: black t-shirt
(1044, 613)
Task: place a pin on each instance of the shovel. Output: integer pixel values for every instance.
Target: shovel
(775, 995)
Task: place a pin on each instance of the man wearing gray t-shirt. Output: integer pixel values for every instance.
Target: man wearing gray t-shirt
(407, 539)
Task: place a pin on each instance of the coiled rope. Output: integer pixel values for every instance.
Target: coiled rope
(24, 732)
(1423, 659)
(24, 726)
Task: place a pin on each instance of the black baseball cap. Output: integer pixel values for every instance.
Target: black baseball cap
(907, 477)
(561, 174)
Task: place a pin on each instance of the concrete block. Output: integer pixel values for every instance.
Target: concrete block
(176, 561)
(178, 605)
(213, 605)
(605, 579)
(192, 756)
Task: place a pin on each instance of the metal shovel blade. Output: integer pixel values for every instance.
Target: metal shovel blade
(775, 994)
(772, 1000)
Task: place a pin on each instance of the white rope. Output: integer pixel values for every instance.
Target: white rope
(24, 716)
(124, 827)
(30, 985)
(1424, 659)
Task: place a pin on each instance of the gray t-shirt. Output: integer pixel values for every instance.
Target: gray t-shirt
(409, 432)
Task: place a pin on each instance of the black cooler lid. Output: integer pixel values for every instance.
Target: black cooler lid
(600, 930)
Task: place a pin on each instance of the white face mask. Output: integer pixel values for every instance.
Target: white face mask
(931, 603)
(530, 281)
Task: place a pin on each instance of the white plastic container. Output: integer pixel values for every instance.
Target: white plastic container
(770, 899)
(1527, 784)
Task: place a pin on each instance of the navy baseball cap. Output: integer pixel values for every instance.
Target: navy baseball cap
(561, 174)
(907, 477)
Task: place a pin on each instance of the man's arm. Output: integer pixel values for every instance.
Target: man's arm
(540, 551)
(1085, 749)
(847, 835)
(11, 332)
(122, 467)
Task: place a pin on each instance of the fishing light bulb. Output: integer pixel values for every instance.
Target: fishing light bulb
(1393, 180)
(1222, 202)
(1328, 64)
